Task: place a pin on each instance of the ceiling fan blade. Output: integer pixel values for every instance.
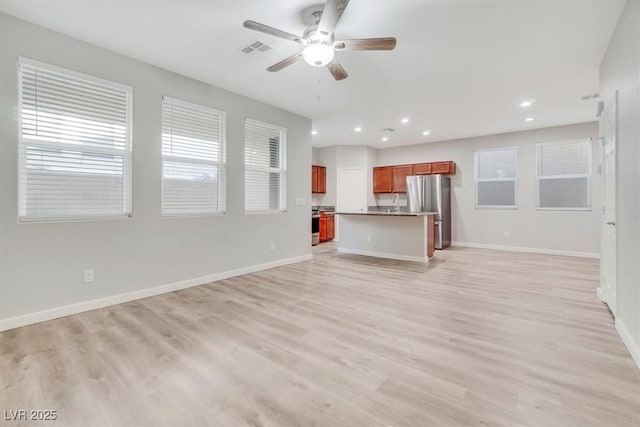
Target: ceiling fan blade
(253, 25)
(382, 43)
(285, 62)
(336, 70)
(331, 14)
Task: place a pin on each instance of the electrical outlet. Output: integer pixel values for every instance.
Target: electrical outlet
(88, 276)
(506, 234)
(272, 247)
(368, 237)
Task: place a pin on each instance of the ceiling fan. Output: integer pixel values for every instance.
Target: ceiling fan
(319, 42)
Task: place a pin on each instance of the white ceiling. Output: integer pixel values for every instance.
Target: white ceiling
(461, 67)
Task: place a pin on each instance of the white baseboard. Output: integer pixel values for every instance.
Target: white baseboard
(54, 313)
(628, 341)
(601, 295)
(528, 250)
(384, 255)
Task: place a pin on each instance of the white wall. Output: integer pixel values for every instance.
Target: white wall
(620, 71)
(527, 227)
(41, 264)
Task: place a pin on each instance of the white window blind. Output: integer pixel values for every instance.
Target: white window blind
(496, 177)
(563, 170)
(193, 159)
(75, 145)
(265, 174)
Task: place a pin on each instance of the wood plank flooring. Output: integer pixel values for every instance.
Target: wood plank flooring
(475, 337)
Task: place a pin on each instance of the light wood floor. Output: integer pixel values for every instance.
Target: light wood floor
(474, 338)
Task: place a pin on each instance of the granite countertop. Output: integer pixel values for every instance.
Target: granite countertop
(386, 213)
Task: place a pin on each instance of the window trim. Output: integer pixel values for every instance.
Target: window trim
(222, 163)
(589, 176)
(477, 180)
(282, 170)
(127, 152)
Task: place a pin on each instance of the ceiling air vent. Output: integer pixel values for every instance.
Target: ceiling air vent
(257, 50)
(388, 130)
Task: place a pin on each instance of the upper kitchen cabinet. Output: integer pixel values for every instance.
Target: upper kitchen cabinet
(444, 168)
(400, 174)
(422, 169)
(393, 179)
(318, 179)
(383, 180)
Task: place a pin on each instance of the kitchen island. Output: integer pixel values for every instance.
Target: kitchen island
(403, 236)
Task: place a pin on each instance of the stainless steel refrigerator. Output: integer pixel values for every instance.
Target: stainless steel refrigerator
(432, 193)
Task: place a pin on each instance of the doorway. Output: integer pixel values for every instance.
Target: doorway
(352, 190)
(609, 127)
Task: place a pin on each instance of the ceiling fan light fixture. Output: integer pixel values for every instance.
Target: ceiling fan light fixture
(318, 54)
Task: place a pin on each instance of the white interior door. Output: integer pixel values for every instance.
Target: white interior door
(608, 126)
(352, 190)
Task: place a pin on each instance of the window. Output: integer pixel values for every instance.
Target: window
(265, 173)
(496, 177)
(193, 159)
(75, 145)
(563, 170)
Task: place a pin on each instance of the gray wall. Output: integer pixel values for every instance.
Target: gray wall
(41, 264)
(620, 71)
(526, 227)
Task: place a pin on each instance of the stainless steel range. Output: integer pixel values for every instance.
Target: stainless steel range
(315, 227)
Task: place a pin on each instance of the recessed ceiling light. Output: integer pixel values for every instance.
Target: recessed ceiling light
(426, 132)
(529, 119)
(528, 103)
(385, 139)
(314, 132)
(358, 129)
(405, 120)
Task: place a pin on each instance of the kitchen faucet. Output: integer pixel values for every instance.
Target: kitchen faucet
(396, 201)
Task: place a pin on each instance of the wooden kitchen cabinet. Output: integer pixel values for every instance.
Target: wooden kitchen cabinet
(445, 168)
(383, 179)
(322, 179)
(318, 179)
(327, 227)
(323, 228)
(400, 174)
(422, 169)
(393, 179)
(331, 227)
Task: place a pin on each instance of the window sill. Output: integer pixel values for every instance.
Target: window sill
(565, 209)
(194, 215)
(497, 208)
(265, 212)
(30, 220)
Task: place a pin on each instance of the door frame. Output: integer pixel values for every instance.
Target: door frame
(602, 291)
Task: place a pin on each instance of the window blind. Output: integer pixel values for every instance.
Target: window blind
(496, 173)
(563, 170)
(265, 167)
(75, 145)
(193, 158)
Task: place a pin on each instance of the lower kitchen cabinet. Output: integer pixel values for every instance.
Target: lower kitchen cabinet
(331, 227)
(323, 229)
(327, 227)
